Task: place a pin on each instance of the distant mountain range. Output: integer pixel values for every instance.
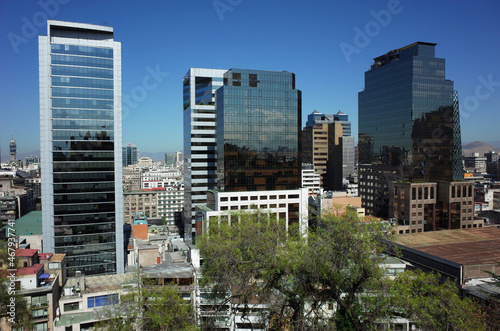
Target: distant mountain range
(480, 147)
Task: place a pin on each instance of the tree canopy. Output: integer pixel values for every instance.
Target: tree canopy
(149, 307)
(339, 263)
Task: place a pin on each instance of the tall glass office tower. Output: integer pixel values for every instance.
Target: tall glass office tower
(80, 142)
(408, 116)
(199, 86)
(258, 128)
(130, 154)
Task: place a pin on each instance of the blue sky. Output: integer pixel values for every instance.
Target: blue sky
(320, 41)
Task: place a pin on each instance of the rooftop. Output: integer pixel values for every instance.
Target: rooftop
(477, 246)
(101, 283)
(33, 270)
(29, 224)
(45, 256)
(26, 252)
(58, 257)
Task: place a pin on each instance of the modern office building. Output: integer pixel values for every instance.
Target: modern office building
(169, 159)
(199, 86)
(322, 147)
(346, 141)
(258, 129)
(80, 144)
(409, 127)
(408, 115)
(130, 154)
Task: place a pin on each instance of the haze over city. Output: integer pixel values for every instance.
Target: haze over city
(328, 45)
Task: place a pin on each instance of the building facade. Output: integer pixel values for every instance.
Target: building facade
(258, 128)
(130, 154)
(409, 126)
(408, 115)
(199, 86)
(347, 140)
(80, 138)
(140, 202)
(322, 147)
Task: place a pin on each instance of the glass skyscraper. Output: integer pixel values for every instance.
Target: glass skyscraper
(130, 154)
(408, 116)
(258, 130)
(81, 154)
(199, 86)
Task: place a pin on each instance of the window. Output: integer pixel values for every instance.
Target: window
(223, 199)
(53, 265)
(102, 300)
(244, 198)
(71, 306)
(234, 198)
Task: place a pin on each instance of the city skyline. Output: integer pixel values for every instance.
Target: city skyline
(327, 47)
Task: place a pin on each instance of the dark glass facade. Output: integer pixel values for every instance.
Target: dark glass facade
(407, 115)
(258, 130)
(130, 154)
(82, 135)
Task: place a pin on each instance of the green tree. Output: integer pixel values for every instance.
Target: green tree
(432, 304)
(254, 259)
(148, 307)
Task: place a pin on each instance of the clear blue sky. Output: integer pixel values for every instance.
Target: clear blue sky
(304, 37)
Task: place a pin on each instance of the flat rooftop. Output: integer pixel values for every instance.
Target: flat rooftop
(470, 247)
(29, 224)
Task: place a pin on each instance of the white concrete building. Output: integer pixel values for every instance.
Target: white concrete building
(291, 205)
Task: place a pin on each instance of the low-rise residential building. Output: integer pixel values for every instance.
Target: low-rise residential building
(140, 201)
(131, 178)
(171, 203)
(38, 281)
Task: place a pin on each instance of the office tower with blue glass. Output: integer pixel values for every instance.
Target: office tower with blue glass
(81, 146)
(258, 129)
(130, 154)
(409, 127)
(200, 163)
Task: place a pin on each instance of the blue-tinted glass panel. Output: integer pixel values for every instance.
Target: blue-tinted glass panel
(81, 71)
(82, 82)
(82, 114)
(82, 61)
(82, 50)
(72, 92)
